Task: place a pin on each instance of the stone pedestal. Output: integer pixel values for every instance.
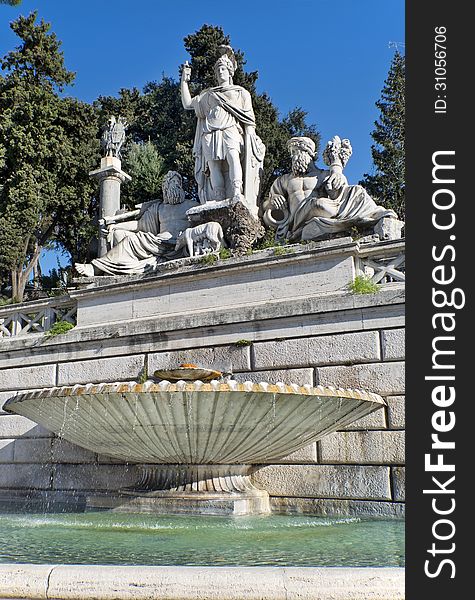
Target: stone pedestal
(389, 229)
(188, 489)
(110, 176)
(240, 227)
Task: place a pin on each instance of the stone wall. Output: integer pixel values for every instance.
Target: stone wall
(331, 338)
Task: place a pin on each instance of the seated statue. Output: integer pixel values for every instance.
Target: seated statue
(138, 245)
(310, 203)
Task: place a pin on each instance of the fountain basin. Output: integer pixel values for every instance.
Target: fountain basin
(197, 443)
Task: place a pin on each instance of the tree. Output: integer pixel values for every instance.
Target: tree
(47, 146)
(146, 167)
(157, 115)
(387, 183)
(11, 2)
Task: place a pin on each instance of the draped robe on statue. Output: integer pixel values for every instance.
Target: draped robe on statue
(155, 239)
(223, 113)
(317, 215)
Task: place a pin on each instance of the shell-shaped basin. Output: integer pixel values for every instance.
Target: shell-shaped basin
(193, 422)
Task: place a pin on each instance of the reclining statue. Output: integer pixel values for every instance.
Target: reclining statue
(138, 245)
(310, 203)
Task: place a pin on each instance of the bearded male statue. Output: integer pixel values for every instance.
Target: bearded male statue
(310, 203)
(228, 153)
(138, 245)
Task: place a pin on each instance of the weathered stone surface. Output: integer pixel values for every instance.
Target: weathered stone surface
(298, 376)
(398, 475)
(12, 426)
(40, 501)
(21, 476)
(241, 229)
(325, 481)
(375, 420)
(389, 229)
(23, 378)
(323, 507)
(243, 283)
(304, 455)
(315, 315)
(222, 358)
(94, 477)
(322, 350)
(109, 582)
(380, 378)
(363, 447)
(24, 581)
(3, 398)
(121, 368)
(65, 452)
(32, 450)
(6, 451)
(396, 412)
(393, 344)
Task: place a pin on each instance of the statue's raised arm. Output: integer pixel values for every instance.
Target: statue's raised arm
(228, 153)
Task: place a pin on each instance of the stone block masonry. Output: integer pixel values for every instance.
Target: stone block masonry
(295, 335)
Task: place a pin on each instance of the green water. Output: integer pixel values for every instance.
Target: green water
(111, 538)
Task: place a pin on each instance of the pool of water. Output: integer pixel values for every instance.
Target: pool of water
(119, 539)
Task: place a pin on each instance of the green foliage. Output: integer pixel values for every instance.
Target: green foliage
(157, 115)
(224, 254)
(143, 375)
(146, 167)
(242, 343)
(209, 259)
(5, 301)
(47, 146)
(279, 250)
(59, 328)
(11, 2)
(387, 184)
(363, 285)
(266, 241)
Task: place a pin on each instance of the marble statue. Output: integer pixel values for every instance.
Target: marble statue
(228, 153)
(140, 244)
(202, 239)
(113, 136)
(310, 203)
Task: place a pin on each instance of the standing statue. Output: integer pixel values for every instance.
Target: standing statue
(113, 136)
(140, 244)
(310, 203)
(228, 153)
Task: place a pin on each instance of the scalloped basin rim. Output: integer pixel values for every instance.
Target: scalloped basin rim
(194, 423)
(194, 386)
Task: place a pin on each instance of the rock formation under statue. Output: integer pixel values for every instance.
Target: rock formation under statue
(311, 203)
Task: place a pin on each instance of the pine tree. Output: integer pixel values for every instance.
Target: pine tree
(387, 184)
(146, 167)
(47, 147)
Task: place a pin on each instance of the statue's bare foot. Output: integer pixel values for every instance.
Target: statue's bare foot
(85, 269)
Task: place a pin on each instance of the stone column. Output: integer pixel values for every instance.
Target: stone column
(110, 176)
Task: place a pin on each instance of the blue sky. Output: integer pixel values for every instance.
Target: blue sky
(329, 57)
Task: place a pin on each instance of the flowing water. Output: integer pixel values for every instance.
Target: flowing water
(119, 539)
